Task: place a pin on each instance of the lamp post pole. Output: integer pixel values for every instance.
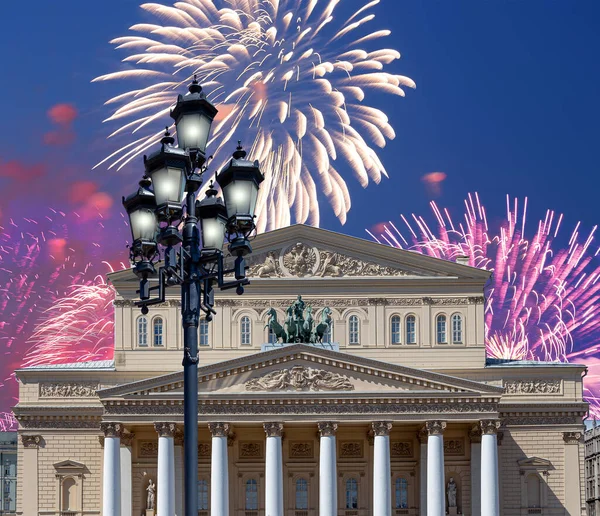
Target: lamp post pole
(200, 263)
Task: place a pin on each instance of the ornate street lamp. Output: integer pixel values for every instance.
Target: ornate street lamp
(198, 265)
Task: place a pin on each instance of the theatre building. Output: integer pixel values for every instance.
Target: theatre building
(397, 409)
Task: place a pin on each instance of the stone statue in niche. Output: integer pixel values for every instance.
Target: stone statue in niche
(451, 493)
(299, 325)
(151, 497)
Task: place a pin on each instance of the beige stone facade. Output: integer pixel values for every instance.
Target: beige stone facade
(407, 348)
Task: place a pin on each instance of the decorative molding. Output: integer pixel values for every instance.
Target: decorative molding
(538, 386)
(351, 449)
(130, 303)
(71, 422)
(31, 441)
(542, 420)
(301, 449)
(447, 301)
(435, 427)
(251, 449)
(273, 429)
(423, 434)
(454, 447)
(381, 428)
(475, 433)
(165, 429)
(148, 449)
(490, 426)
(300, 378)
(68, 390)
(572, 437)
(327, 428)
(479, 300)
(219, 429)
(111, 429)
(302, 261)
(401, 449)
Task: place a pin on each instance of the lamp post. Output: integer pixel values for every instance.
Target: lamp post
(193, 259)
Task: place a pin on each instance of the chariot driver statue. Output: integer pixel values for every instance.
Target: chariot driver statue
(299, 309)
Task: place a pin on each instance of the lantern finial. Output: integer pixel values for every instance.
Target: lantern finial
(195, 87)
(239, 151)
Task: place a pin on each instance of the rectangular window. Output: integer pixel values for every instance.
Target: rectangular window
(441, 330)
(411, 330)
(203, 330)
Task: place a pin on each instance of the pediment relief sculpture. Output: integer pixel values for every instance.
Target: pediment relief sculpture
(300, 378)
(302, 261)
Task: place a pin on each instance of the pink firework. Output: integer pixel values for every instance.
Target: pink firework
(542, 301)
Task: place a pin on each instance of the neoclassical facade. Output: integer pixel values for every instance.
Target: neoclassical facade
(397, 411)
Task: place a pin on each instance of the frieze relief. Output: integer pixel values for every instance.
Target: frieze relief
(351, 449)
(302, 261)
(300, 378)
(259, 305)
(251, 450)
(68, 390)
(148, 449)
(399, 449)
(301, 450)
(454, 447)
(204, 450)
(535, 386)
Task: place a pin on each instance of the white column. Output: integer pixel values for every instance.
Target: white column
(423, 436)
(490, 499)
(179, 472)
(219, 470)
(111, 473)
(273, 470)
(475, 437)
(436, 495)
(327, 469)
(165, 479)
(126, 473)
(382, 471)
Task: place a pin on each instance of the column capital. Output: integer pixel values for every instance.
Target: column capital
(31, 441)
(219, 429)
(435, 427)
(327, 428)
(165, 429)
(381, 427)
(127, 438)
(273, 429)
(475, 433)
(489, 426)
(179, 435)
(422, 434)
(572, 437)
(112, 429)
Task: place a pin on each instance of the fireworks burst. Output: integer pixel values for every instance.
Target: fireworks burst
(286, 75)
(542, 302)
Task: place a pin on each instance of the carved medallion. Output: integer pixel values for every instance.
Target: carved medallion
(300, 378)
(251, 449)
(351, 449)
(401, 449)
(301, 450)
(148, 449)
(204, 450)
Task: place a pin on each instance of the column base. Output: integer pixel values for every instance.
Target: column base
(149, 512)
(452, 511)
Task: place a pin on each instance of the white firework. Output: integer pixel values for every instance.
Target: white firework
(286, 77)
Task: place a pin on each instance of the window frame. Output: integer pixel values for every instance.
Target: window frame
(203, 335)
(400, 482)
(348, 500)
(245, 332)
(305, 494)
(414, 332)
(158, 320)
(138, 322)
(248, 482)
(438, 333)
(396, 334)
(354, 334)
(204, 482)
(461, 320)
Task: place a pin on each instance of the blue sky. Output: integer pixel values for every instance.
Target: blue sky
(506, 99)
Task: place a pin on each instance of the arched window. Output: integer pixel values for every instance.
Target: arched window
(157, 331)
(401, 493)
(301, 494)
(328, 335)
(442, 333)
(142, 331)
(533, 491)
(457, 329)
(245, 332)
(411, 329)
(395, 329)
(351, 493)
(203, 332)
(251, 503)
(202, 495)
(354, 330)
(69, 495)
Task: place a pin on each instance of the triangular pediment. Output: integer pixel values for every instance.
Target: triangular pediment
(69, 465)
(303, 370)
(307, 252)
(534, 463)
